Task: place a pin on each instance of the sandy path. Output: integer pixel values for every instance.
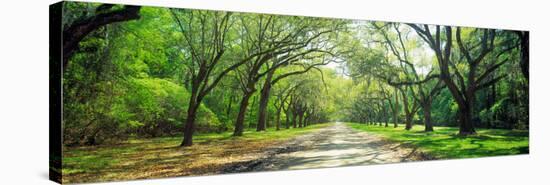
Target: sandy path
(337, 145)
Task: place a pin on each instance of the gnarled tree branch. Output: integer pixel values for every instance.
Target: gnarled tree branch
(78, 30)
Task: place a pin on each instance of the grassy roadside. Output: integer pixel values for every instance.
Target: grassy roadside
(161, 157)
(443, 143)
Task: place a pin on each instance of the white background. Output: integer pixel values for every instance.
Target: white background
(24, 91)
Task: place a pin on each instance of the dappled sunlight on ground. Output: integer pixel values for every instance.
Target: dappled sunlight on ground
(161, 157)
(335, 146)
(445, 143)
(317, 146)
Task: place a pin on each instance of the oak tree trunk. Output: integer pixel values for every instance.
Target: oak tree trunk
(465, 119)
(294, 117)
(408, 113)
(408, 122)
(264, 100)
(427, 108)
(190, 122)
(239, 123)
(396, 110)
(228, 111)
(524, 45)
(300, 120)
(278, 119)
(287, 116)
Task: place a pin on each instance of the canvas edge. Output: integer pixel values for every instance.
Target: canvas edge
(56, 75)
(55, 92)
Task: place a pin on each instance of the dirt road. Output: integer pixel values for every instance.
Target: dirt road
(337, 145)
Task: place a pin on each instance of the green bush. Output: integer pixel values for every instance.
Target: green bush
(159, 107)
(146, 107)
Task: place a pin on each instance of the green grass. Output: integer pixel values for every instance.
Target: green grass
(444, 143)
(252, 134)
(146, 158)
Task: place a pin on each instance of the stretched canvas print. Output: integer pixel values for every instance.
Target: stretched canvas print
(148, 92)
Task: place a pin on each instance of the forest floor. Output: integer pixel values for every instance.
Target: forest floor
(162, 157)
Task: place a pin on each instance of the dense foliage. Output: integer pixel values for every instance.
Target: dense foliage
(177, 71)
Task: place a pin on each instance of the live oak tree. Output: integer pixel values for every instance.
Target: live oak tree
(307, 99)
(423, 90)
(319, 53)
(282, 42)
(205, 40)
(481, 48)
(270, 80)
(389, 94)
(206, 37)
(410, 106)
(395, 108)
(282, 94)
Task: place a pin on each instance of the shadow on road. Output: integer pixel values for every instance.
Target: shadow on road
(334, 146)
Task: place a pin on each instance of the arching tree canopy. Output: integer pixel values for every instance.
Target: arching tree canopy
(254, 69)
